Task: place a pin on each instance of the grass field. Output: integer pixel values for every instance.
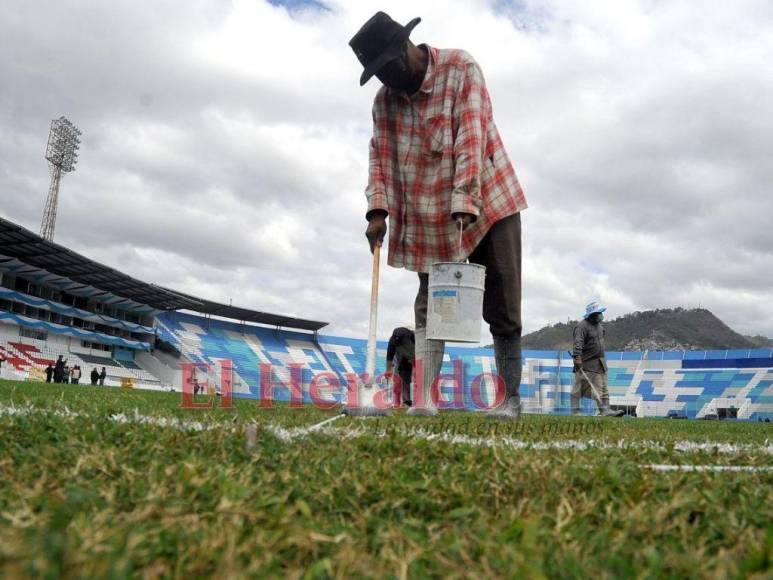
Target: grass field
(112, 482)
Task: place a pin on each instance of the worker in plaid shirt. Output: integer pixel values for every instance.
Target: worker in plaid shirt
(438, 165)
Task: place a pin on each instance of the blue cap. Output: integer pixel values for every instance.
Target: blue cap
(593, 308)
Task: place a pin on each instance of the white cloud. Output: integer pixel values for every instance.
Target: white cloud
(224, 147)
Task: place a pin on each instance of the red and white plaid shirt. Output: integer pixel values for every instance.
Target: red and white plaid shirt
(435, 154)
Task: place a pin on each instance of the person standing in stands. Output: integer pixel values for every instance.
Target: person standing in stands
(66, 374)
(102, 376)
(75, 375)
(590, 363)
(94, 376)
(401, 353)
(439, 171)
(49, 373)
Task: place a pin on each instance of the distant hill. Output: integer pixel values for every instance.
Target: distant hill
(760, 341)
(663, 329)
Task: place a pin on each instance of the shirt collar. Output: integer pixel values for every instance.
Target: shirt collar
(429, 77)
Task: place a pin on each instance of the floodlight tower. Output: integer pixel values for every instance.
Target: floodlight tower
(61, 152)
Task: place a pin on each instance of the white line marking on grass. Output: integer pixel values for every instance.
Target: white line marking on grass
(173, 422)
(556, 444)
(323, 423)
(65, 413)
(664, 467)
(296, 433)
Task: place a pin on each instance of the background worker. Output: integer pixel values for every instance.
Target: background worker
(59, 369)
(590, 363)
(401, 353)
(438, 165)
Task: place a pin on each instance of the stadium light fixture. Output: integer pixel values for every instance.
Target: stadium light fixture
(64, 140)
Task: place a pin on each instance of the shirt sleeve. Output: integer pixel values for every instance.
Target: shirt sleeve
(579, 340)
(391, 348)
(470, 118)
(375, 193)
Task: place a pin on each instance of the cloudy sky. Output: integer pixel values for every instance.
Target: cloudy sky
(225, 147)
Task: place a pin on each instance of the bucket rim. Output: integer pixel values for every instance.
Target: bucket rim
(458, 264)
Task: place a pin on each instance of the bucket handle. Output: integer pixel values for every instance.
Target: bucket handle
(461, 230)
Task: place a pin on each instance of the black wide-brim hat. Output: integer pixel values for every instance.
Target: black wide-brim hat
(379, 41)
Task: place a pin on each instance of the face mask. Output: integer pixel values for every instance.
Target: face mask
(397, 75)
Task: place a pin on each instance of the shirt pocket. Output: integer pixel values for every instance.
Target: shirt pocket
(437, 136)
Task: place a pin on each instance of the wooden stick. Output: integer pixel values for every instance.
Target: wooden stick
(370, 364)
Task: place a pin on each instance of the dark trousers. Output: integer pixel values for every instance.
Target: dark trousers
(500, 252)
(402, 383)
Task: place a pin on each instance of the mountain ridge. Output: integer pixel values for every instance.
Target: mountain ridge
(670, 329)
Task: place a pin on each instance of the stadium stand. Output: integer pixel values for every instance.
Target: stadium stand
(643, 384)
(26, 355)
(56, 302)
(208, 341)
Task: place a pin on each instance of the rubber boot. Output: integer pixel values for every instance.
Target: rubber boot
(599, 404)
(429, 358)
(507, 352)
(575, 402)
(602, 400)
(606, 411)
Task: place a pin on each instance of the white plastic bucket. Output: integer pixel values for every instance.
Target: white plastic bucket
(455, 301)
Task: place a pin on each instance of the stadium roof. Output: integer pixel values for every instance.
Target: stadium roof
(247, 315)
(84, 275)
(26, 253)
